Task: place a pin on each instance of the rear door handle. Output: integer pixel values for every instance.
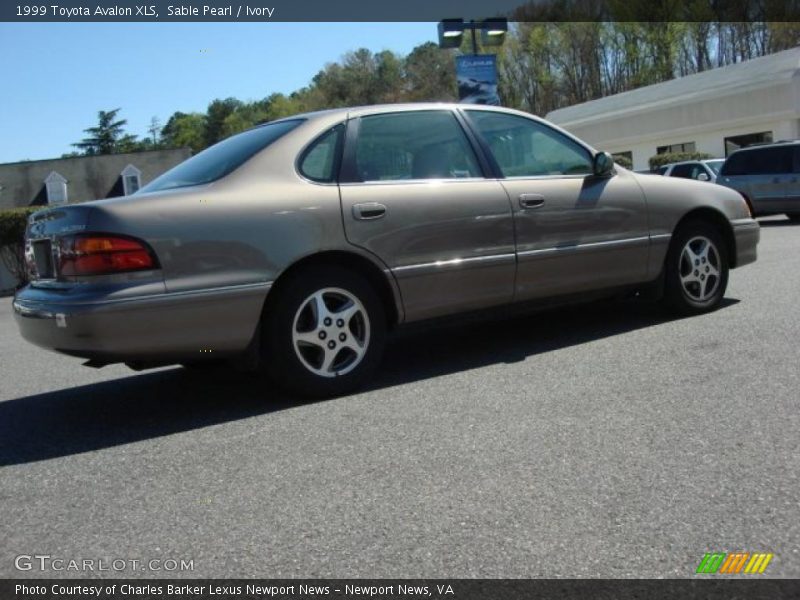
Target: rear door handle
(531, 200)
(367, 211)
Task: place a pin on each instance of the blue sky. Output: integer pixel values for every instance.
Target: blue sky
(56, 76)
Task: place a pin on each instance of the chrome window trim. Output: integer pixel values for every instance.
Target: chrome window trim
(419, 181)
(547, 177)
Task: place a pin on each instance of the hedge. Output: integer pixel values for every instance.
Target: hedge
(623, 161)
(13, 222)
(659, 160)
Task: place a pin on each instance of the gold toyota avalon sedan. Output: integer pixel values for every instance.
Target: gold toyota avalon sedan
(295, 247)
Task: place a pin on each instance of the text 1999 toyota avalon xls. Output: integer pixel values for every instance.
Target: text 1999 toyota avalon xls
(296, 245)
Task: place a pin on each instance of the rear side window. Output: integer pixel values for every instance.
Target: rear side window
(320, 161)
(524, 148)
(764, 161)
(413, 145)
(221, 159)
(735, 164)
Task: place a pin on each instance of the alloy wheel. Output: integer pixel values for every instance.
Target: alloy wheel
(699, 269)
(330, 332)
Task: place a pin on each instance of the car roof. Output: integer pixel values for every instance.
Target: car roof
(350, 112)
(357, 111)
(757, 147)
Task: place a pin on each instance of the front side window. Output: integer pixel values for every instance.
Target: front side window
(413, 145)
(526, 148)
(221, 159)
(320, 161)
(687, 171)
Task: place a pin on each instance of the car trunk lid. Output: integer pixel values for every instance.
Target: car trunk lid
(44, 228)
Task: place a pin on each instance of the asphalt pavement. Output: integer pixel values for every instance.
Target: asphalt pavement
(605, 440)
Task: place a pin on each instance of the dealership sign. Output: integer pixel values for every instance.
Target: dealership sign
(476, 75)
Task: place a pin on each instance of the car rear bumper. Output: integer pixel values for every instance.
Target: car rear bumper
(746, 234)
(157, 327)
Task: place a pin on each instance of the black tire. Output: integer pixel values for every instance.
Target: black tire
(794, 218)
(290, 363)
(692, 295)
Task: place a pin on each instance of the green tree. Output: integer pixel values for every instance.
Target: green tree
(217, 112)
(185, 130)
(108, 136)
(244, 117)
(430, 74)
(279, 106)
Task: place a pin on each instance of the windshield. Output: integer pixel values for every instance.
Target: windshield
(222, 158)
(715, 165)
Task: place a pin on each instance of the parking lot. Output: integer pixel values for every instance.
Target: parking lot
(597, 441)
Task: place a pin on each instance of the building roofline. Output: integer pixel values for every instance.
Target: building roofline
(757, 73)
(82, 156)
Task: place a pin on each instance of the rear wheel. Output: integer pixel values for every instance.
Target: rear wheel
(696, 269)
(324, 332)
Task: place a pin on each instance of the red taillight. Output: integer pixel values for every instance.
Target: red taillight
(97, 254)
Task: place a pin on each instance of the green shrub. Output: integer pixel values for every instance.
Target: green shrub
(13, 222)
(659, 160)
(623, 161)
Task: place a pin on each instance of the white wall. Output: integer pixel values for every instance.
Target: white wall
(705, 115)
(710, 141)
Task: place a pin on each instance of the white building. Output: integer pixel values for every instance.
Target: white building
(714, 111)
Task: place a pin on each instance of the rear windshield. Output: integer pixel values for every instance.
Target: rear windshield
(222, 158)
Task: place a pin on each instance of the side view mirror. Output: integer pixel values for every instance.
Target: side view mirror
(602, 164)
(702, 177)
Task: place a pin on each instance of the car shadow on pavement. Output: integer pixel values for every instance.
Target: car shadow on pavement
(154, 404)
(778, 223)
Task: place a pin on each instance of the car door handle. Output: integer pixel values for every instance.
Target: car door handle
(368, 210)
(531, 200)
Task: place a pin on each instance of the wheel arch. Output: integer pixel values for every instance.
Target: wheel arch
(720, 221)
(380, 278)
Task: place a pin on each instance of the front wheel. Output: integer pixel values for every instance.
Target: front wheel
(696, 269)
(324, 332)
